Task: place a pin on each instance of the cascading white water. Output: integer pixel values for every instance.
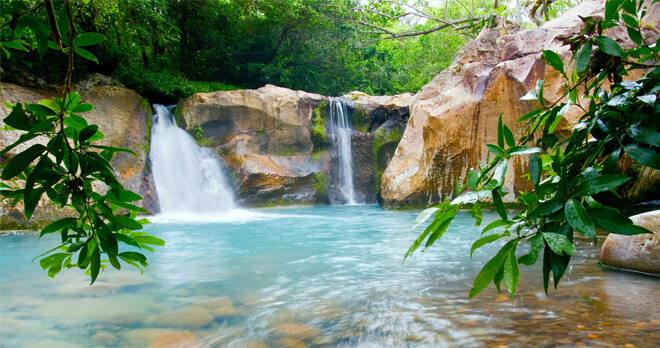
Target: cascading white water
(341, 131)
(188, 179)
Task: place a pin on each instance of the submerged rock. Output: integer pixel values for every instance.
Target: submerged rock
(639, 252)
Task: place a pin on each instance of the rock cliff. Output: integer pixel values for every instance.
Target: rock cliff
(275, 141)
(456, 114)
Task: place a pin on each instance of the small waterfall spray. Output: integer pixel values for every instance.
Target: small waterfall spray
(189, 180)
(341, 131)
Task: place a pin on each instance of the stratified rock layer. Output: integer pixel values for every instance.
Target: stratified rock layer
(639, 252)
(456, 114)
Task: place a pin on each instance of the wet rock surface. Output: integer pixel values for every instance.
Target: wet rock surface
(639, 252)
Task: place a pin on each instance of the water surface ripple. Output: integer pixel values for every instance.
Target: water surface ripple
(325, 276)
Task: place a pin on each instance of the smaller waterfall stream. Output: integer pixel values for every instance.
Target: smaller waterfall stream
(341, 131)
(189, 180)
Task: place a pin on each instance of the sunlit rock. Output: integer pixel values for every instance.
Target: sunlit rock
(455, 115)
(639, 252)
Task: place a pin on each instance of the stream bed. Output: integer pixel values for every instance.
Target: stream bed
(326, 276)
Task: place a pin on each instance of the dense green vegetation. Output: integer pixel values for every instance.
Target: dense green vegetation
(167, 50)
(574, 178)
(71, 163)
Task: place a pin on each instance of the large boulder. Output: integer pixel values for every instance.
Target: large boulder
(639, 252)
(123, 117)
(456, 114)
(265, 138)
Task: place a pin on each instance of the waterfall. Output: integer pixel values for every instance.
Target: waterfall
(189, 180)
(341, 132)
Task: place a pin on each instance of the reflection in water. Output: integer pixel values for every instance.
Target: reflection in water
(324, 276)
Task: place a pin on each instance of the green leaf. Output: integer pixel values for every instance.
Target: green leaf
(495, 224)
(611, 9)
(113, 149)
(511, 273)
(559, 243)
(84, 107)
(486, 240)
(86, 54)
(643, 155)
(424, 215)
(14, 45)
(635, 36)
(21, 161)
(50, 260)
(127, 222)
(630, 21)
(495, 149)
(536, 245)
(18, 119)
(40, 110)
(508, 136)
(613, 222)
(545, 209)
(599, 184)
(608, 46)
(584, 55)
(87, 39)
(487, 273)
(535, 169)
(554, 60)
(57, 225)
(472, 179)
(578, 218)
(476, 213)
(629, 6)
(529, 114)
(133, 256)
(150, 240)
(87, 133)
(644, 135)
(126, 240)
(95, 264)
(499, 205)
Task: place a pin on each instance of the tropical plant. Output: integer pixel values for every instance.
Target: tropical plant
(70, 163)
(575, 178)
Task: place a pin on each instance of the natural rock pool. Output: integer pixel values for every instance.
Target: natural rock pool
(323, 276)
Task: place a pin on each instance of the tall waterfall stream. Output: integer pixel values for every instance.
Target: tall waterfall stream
(189, 180)
(341, 132)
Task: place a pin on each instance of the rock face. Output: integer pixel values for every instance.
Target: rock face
(265, 137)
(456, 114)
(275, 140)
(639, 252)
(123, 117)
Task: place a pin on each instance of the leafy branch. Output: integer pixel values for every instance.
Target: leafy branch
(69, 164)
(574, 180)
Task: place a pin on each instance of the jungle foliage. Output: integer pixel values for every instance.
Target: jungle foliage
(159, 47)
(575, 177)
